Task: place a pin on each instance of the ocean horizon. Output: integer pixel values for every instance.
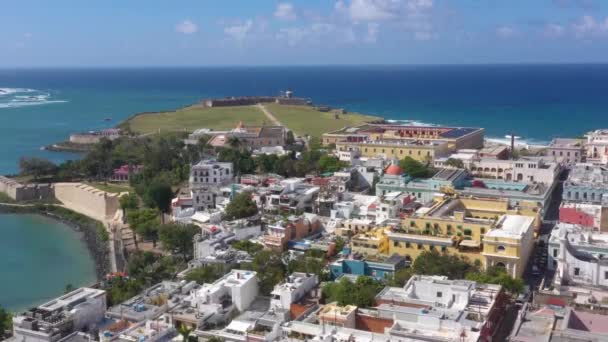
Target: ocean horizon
(537, 102)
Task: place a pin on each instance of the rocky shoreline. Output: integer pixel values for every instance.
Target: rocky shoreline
(88, 227)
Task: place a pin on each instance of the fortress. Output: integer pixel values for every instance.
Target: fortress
(22, 192)
(285, 99)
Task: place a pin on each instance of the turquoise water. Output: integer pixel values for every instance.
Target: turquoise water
(39, 257)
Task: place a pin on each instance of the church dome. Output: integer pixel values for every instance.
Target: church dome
(394, 170)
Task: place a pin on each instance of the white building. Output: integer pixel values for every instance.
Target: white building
(239, 287)
(579, 256)
(206, 178)
(597, 146)
(295, 288)
(81, 309)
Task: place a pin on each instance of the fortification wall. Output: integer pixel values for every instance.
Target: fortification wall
(20, 192)
(88, 200)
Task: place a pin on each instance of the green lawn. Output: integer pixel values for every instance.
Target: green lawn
(194, 117)
(305, 120)
(110, 187)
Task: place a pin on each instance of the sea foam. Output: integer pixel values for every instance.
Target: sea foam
(22, 97)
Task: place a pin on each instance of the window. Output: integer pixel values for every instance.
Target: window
(407, 245)
(420, 246)
(468, 232)
(444, 249)
(555, 253)
(396, 243)
(439, 294)
(500, 248)
(482, 230)
(605, 274)
(577, 271)
(412, 224)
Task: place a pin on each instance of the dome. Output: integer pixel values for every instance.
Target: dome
(394, 170)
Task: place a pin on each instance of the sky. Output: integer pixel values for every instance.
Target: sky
(43, 33)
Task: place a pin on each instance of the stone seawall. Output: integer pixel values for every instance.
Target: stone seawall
(25, 192)
(87, 200)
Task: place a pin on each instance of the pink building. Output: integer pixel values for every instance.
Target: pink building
(122, 173)
(592, 216)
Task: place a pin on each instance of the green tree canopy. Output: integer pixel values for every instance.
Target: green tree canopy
(6, 322)
(453, 162)
(247, 246)
(270, 270)
(207, 274)
(415, 168)
(178, 238)
(128, 202)
(37, 167)
(497, 275)
(328, 163)
(433, 263)
(361, 293)
(159, 195)
(241, 206)
(144, 222)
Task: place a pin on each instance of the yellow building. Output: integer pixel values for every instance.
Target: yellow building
(510, 244)
(371, 243)
(423, 151)
(460, 226)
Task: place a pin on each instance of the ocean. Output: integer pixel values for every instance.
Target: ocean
(536, 102)
(40, 256)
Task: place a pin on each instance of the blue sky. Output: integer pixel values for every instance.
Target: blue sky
(262, 32)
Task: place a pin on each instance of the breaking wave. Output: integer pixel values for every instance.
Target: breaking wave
(22, 97)
(412, 123)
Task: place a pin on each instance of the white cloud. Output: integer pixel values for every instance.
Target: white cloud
(186, 27)
(285, 11)
(292, 35)
(506, 32)
(554, 30)
(372, 33)
(382, 10)
(239, 32)
(588, 26)
(317, 33)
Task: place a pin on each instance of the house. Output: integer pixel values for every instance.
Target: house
(292, 228)
(123, 173)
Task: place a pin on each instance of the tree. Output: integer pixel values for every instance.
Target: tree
(206, 274)
(6, 323)
(328, 163)
(68, 288)
(185, 332)
(400, 277)
(361, 293)
(247, 246)
(453, 162)
(144, 222)
(497, 275)
(241, 160)
(415, 168)
(289, 138)
(270, 270)
(37, 167)
(128, 202)
(178, 238)
(241, 206)
(159, 195)
(433, 263)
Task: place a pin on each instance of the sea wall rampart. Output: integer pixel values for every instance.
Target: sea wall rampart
(87, 200)
(25, 192)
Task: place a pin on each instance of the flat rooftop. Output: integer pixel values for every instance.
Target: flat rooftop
(73, 298)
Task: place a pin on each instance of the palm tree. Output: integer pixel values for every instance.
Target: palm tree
(185, 332)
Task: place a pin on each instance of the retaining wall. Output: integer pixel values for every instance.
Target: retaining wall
(88, 200)
(21, 192)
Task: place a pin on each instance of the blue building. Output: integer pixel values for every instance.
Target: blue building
(376, 269)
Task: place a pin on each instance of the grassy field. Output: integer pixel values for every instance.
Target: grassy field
(194, 117)
(305, 120)
(110, 187)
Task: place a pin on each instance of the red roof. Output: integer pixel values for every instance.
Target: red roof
(394, 170)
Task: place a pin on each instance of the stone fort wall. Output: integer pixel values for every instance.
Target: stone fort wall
(21, 192)
(88, 200)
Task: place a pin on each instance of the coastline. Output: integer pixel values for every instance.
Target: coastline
(88, 227)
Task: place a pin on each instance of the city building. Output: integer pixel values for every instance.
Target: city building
(291, 195)
(597, 147)
(380, 268)
(461, 226)
(293, 228)
(82, 309)
(421, 150)
(250, 137)
(567, 151)
(509, 244)
(586, 183)
(578, 256)
(123, 173)
(296, 286)
(236, 289)
(591, 216)
(205, 179)
(456, 137)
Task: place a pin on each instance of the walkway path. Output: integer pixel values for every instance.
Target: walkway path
(269, 115)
